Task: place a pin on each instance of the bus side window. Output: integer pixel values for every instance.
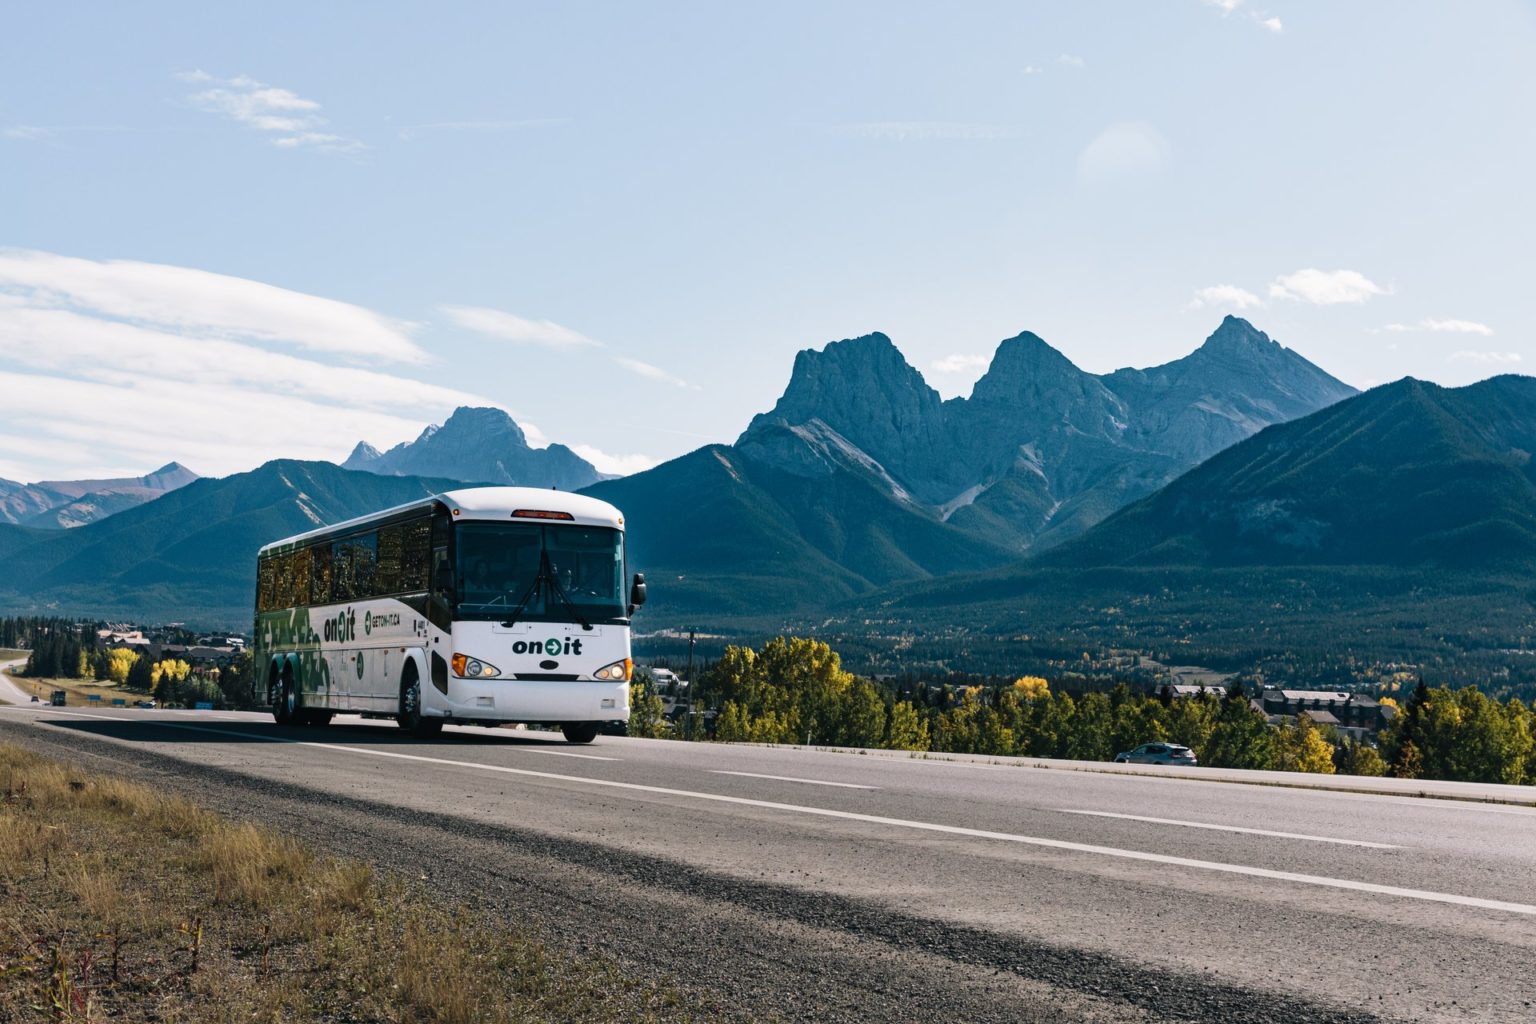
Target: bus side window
(391, 545)
(415, 555)
(442, 565)
(320, 574)
(266, 584)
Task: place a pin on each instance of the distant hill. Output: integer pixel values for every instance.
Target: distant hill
(478, 446)
(190, 554)
(1409, 473)
(722, 534)
(62, 504)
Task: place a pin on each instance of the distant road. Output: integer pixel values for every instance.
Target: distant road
(838, 886)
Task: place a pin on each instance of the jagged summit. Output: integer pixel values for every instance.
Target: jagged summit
(478, 445)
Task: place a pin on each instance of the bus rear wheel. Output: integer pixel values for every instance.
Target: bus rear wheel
(285, 702)
(580, 732)
(410, 717)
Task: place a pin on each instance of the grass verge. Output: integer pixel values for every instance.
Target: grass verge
(78, 689)
(125, 904)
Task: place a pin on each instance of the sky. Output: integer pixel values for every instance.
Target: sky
(231, 233)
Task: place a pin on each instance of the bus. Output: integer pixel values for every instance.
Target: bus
(480, 606)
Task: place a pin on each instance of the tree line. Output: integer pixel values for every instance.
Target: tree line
(61, 649)
(794, 690)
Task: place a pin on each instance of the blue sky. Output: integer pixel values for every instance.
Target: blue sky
(235, 233)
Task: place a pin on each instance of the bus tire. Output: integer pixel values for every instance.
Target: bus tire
(410, 717)
(580, 732)
(285, 708)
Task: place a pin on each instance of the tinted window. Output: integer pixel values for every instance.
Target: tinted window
(320, 574)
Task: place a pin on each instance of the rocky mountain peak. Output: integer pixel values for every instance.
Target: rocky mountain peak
(361, 455)
(1022, 365)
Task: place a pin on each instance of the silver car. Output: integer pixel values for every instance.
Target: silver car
(1158, 753)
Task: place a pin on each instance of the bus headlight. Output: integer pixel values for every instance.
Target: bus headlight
(614, 673)
(466, 667)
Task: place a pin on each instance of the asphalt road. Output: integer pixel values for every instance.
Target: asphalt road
(823, 885)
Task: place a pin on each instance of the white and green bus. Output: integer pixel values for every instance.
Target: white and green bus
(483, 606)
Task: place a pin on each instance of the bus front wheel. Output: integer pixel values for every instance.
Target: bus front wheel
(410, 717)
(580, 732)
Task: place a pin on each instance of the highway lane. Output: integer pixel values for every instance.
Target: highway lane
(1406, 907)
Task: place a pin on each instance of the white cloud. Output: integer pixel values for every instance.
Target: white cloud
(1123, 150)
(1224, 295)
(1227, 6)
(650, 372)
(510, 327)
(203, 303)
(1071, 60)
(1273, 24)
(114, 368)
(921, 131)
(1325, 287)
(1444, 327)
(959, 362)
(478, 127)
(622, 465)
(291, 120)
(1483, 357)
(1030, 69)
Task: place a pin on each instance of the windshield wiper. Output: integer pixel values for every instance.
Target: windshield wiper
(559, 591)
(533, 588)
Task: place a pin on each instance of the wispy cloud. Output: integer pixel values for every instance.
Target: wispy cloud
(1483, 357)
(1030, 69)
(606, 462)
(959, 362)
(1263, 19)
(289, 120)
(119, 366)
(921, 131)
(497, 323)
(650, 372)
(203, 303)
(1225, 295)
(1326, 287)
(30, 132)
(1444, 327)
(1072, 60)
(415, 131)
(1126, 149)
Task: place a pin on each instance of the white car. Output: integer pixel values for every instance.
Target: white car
(1158, 753)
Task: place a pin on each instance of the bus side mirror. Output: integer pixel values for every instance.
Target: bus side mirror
(637, 591)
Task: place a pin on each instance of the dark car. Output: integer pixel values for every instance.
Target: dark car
(1158, 753)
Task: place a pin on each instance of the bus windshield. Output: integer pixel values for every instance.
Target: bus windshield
(499, 563)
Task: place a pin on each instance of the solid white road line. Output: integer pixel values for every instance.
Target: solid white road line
(1234, 828)
(564, 753)
(922, 826)
(790, 778)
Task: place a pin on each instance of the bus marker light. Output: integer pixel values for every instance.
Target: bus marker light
(538, 513)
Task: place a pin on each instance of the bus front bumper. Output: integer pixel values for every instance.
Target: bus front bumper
(527, 700)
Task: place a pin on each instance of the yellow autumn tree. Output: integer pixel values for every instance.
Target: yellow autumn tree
(1031, 687)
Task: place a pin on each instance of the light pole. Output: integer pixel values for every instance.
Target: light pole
(693, 691)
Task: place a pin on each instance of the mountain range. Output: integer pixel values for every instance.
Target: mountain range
(862, 475)
(478, 446)
(62, 504)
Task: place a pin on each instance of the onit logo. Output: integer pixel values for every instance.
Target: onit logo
(551, 647)
(342, 628)
(382, 619)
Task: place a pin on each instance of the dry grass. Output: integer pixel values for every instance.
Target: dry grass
(78, 689)
(121, 903)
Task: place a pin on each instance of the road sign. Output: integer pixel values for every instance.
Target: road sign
(203, 705)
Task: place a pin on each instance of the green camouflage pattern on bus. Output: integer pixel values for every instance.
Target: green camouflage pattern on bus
(291, 631)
